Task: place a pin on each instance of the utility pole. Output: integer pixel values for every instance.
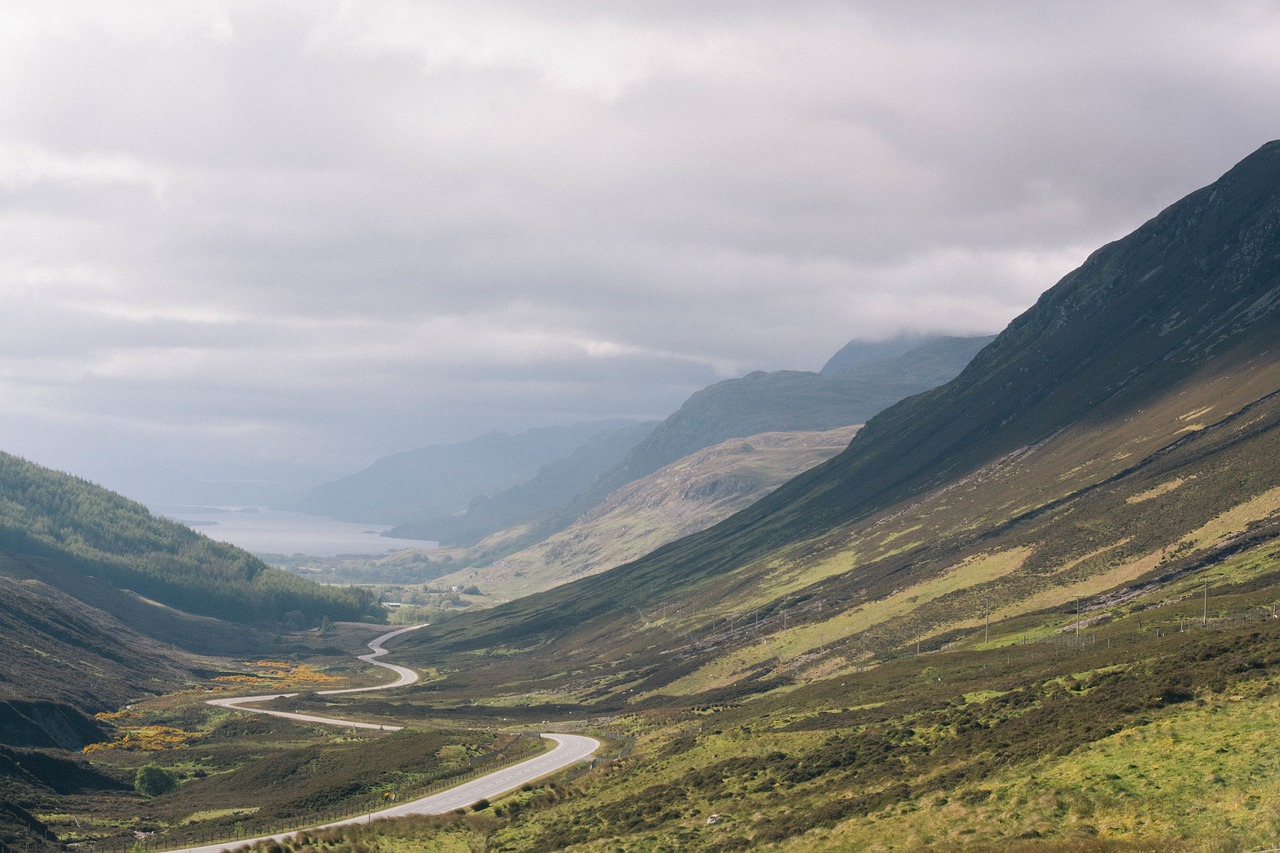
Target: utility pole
(986, 624)
(1077, 620)
(1204, 620)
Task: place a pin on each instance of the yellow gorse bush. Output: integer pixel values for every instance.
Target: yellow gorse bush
(148, 738)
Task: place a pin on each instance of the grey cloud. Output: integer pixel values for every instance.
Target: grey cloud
(321, 232)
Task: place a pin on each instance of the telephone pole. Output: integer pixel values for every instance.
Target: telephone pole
(986, 623)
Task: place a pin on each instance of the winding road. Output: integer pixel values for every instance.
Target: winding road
(569, 749)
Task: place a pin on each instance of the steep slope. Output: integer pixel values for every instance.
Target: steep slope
(684, 497)
(1152, 370)
(552, 487)
(438, 481)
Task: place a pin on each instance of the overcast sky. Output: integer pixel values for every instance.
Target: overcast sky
(271, 239)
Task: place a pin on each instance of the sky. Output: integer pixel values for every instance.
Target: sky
(246, 247)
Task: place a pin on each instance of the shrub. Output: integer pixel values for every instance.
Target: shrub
(152, 781)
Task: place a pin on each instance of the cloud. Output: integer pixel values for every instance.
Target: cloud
(316, 232)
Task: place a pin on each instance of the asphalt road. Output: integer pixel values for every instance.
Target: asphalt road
(569, 749)
(405, 676)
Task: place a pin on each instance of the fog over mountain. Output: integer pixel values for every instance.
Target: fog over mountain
(252, 247)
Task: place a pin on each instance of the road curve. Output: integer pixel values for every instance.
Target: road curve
(569, 749)
(405, 676)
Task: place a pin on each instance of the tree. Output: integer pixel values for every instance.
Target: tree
(152, 781)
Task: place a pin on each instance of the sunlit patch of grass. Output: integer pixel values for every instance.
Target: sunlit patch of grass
(1056, 596)
(795, 642)
(1157, 491)
(215, 814)
(1229, 523)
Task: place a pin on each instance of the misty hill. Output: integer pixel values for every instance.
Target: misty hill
(684, 497)
(555, 485)
(1121, 435)
(441, 480)
(879, 375)
(858, 352)
(788, 400)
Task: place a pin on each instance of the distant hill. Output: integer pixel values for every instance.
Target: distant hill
(555, 484)
(684, 497)
(858, 352)
(760, 402)
(441, 480)
(788, 400)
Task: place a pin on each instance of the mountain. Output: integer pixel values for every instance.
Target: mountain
(787, 401)
(555, 485)
(858, 352)
(684, 497)
(441, 480)
(1088, 449)
(569, 492)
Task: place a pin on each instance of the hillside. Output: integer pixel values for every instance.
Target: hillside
(441, 480)
(678, 499)
(861, 380)
(91, 543)
(1157, 353)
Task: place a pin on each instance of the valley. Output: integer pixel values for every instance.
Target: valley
(1029, 607)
